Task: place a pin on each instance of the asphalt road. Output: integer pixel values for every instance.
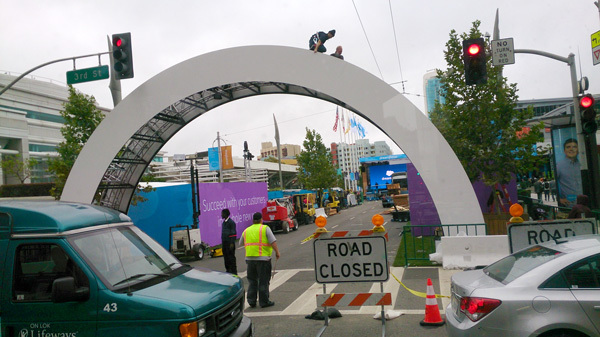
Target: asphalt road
(294, 287)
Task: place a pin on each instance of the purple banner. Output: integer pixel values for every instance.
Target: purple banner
(242, 200)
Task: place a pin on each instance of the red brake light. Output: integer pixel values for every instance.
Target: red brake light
(473, 49)
(476, 307)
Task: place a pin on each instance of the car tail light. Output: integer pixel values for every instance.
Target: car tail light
(477, 307)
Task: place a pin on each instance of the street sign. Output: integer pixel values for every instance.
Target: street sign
(351, 259)
(87, 74)
(503, 52)
(525, 234)
(596, 47)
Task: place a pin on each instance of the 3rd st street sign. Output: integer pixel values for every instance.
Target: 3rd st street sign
(351, 259)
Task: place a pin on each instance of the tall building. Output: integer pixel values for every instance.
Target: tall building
(432, 91)
(347, 157)
(287, 150)
(30, 123)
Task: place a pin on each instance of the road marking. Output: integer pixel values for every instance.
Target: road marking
(390, 286)
(352, 218)
(334, 226)
(306, 303)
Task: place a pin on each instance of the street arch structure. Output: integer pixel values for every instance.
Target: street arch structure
(117, 153)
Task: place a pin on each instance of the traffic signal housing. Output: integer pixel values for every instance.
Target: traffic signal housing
(123, 58)
(475, 61)
(588, 114)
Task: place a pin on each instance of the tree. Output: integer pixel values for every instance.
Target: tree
(480, 122)
(81, 119)
(315, 168)
(16, 166)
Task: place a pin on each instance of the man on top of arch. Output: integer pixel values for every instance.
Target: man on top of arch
(317, 41)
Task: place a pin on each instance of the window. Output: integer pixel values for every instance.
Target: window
(513, 266)
(583, 274)
(36, 268)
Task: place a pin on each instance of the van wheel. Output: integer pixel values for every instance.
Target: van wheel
(286, 227)
(295, 224)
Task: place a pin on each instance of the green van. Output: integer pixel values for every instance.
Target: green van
(77, 270)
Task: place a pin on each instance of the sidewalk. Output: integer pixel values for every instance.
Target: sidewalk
(550, 202)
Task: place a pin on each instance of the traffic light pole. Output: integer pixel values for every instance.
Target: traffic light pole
(587, 177)
(45, 64)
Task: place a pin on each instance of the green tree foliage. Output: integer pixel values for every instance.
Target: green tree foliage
(480, 122)
(81, 119)
(315, 168)
(16, 166)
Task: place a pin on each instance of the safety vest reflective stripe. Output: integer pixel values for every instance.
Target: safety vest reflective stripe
(262, 242)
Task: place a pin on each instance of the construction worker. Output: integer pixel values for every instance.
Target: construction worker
(259, 242)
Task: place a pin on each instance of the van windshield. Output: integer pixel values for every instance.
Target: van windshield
(123, 256)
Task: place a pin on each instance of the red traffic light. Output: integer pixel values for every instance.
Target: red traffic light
(586, 101)
(473, 49)
(118, 43)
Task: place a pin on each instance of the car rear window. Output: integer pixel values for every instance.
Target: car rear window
(513, 266)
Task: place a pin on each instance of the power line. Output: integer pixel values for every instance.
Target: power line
(364, 31)
(279, 122)
(397, 51)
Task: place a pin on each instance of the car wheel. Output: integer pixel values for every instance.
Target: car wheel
(295, 224)
(286, 227)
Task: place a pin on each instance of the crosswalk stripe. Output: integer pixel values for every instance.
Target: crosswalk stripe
(306, 303)
(390, 286)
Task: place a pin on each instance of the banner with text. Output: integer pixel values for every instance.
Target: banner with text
(242, 200)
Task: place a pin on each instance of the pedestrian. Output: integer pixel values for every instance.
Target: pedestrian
(538, 188)
(553, 189)
(338, 53)
(317, 41)
(581, 209)
(259, 242)
(546, 190)
(228, 238)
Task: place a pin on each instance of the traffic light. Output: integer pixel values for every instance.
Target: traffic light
(588, 114)
(475, 61)
(121, 44)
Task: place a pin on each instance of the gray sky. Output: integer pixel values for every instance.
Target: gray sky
(165, 33)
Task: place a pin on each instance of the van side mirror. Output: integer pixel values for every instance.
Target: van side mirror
(64, 290)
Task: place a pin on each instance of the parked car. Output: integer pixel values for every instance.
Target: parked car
(548, 290)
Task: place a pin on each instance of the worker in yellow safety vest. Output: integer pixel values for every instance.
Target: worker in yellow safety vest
(259, 242)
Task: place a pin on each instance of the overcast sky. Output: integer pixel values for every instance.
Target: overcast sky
(165, 33)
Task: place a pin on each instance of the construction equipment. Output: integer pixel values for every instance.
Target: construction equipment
(304, 208)
(279, 215)
(186, 242)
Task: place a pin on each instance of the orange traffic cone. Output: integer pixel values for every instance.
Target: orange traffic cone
(432, 311)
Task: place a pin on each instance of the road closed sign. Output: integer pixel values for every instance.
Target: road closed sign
(525, 234)
(351, 259)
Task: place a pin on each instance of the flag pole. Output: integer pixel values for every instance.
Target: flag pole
(278, 152)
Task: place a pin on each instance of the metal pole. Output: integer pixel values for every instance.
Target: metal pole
(43, 65)
(581, 147)
(324, 314)
(220, 161)
(382, 313)
(194, 205)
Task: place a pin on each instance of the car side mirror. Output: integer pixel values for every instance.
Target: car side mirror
(64, 290)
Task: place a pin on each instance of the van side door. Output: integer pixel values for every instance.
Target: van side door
(31, 309)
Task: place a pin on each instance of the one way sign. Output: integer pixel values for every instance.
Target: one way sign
(596, 47)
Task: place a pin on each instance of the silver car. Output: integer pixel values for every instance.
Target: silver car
(548, 290)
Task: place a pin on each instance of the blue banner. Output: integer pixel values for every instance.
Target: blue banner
(213, 158)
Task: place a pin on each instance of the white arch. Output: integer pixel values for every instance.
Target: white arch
(374, 99)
